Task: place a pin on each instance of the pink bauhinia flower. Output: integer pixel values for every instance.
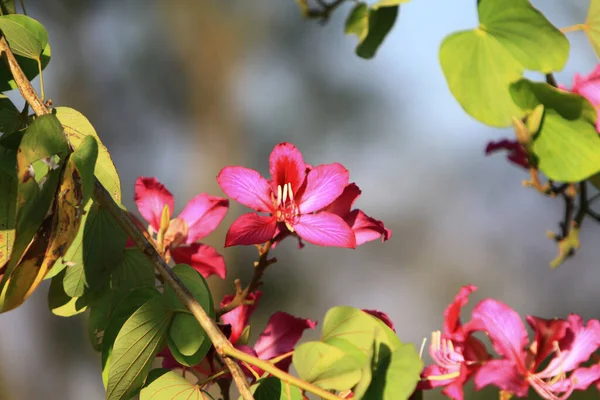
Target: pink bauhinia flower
(567, 343)
(516, 152)
(292, 199)
(199, 218)
(238, 317)
(589, 87)
(456, 354)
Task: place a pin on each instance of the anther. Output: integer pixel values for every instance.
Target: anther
(291, 194)
(278, 195)
(285, 193)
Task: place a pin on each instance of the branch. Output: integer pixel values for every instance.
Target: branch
(103, 197)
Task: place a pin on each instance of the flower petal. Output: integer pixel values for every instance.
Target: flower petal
(382, 316)
(452, 324)
(151, 196)
(203, 214)
(247, 187)
(239, 316)
(588, 86)
(547, 331)
(324, 184)
(280, 336)
(366, 229)
(343, 204)
(502, 374)
(576, 347)
(287, 166)
(504, 327)
(203, 258)
(250, 229)
(325, 229)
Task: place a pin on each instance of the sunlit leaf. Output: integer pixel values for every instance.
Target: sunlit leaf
(388, 3)
(592, 25)
(25, 36)
(272, 388)
(60, 303)
(480, 64)
(371, 25)
(172, 386)
(77, 127)
(29, 66)
(139, 340)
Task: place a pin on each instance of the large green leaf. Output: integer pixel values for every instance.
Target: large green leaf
(10, 117)
(326, 366)
(43, 139)
(85, 157)
(25, 36)
(187, 340)
(371, 25)
(134, 271)
(127, 306)
(272, 388)
(96, 250)
(567, 145)
(480, 64)
(172, 386)
(139, 340)
(396, 373)
(592, 25)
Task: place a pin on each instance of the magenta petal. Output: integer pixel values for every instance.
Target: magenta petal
(287, 166)
(452, 324)
(202, 215)
(504, 327)
(239, 316)
(151, 196)
(203, 258)
(343, 204)
(547, 332)
(324, 184)
(325, 229)
(367, 229)
(280, 336)
(382, 316)
(250, 229)
(502, 374)
(247, 187)
(584, 342)
(588, 86)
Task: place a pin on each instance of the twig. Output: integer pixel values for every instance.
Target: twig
(583, 204)
(104, 198)
(325, 12)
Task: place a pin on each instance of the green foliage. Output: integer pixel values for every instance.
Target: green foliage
(187, 340)
(480, 64)
(141, 337)
(371, 25)
(7, 7)
(10, 117)
(272, 388)
(355, 353)
(592, 24)
(77, 127)
(172, 386)
(8, 208)
(62, 304)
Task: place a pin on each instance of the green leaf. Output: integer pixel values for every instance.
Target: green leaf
(25, 36)
(272, 388)
(139, 340)
(388, 3)
(122, 312)
(62, 304)
(96, 250)
(396, 374)
(8, 208)
(480, 64)
(77, 127)
(29, 66)
(10, 117)
(134, 271)
(592, 25)
(187, 340)
(7, 7)
(371, 26)
(42, 139)
(326, 366)
(344, 326)
(381, 22)
(172, 386)
(567, 145)
(85, 157)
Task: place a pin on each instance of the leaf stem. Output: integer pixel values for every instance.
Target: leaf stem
(573, 28)
(39, 61)
(23, 7)
(104, 198)
(276, 372)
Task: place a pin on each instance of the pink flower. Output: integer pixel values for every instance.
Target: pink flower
(291, 198)
(365, 228)
(588, 87)
(567, 343)
(382, 316)
(457, 354)
(516, 153)
(199, 218)
(280, 336)
(238, 317)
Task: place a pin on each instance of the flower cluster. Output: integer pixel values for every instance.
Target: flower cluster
(552, 363)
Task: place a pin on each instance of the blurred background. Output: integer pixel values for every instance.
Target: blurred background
(178, 89)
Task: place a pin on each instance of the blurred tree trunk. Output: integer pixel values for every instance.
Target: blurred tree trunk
(205, 38)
